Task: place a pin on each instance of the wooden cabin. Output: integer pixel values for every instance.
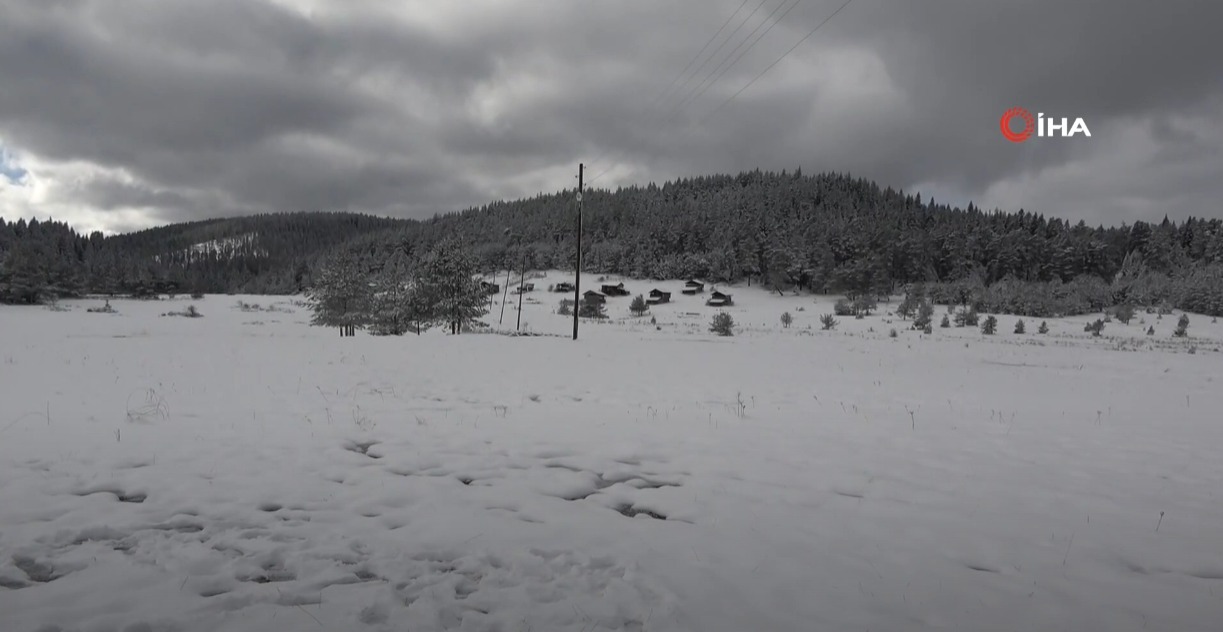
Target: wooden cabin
(693, 287)
(615, 290)
(525, 287)
(657, 297)
(563, 287)
(591, 296)
(718, 299)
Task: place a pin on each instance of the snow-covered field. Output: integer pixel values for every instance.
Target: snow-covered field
(246, 472)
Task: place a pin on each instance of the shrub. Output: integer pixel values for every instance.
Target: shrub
(1182, 326)
(843, 308)
(1095, 328)
(593, 309)
(1151, 330)
(946, 322)
(638, 306)
(892, 333)
(929, 328)
(105, 309)
(198, 296)
(828, 321)
(722, 324)
(1124, 313)
(967, 317)
(864, 305)
(1044, 327)
(990, 325)
(786, 320)
(925, 313)
(192, 312)
(1019, 327)
(565, 308)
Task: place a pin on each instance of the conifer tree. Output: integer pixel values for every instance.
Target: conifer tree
(341, 295)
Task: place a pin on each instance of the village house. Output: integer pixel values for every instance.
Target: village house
(615, 290)
(658, 297)
(718, 299)
(693, 287)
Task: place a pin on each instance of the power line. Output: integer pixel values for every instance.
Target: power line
(770, 66)
(706, 46)
(724, 68)
(686, 98)
(657, 100)
(758, 76)
(724, 43)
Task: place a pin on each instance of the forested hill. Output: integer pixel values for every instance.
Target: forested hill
(828, 233)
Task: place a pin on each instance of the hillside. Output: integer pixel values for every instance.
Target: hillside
(821, 233)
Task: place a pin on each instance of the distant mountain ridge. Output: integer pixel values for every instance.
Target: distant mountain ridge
(827, 233)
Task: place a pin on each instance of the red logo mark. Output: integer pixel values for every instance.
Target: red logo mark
(1029, 125)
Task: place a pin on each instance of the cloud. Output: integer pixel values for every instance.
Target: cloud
(172, 110)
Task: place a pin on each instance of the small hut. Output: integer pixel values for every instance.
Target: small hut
(591, 296)
(563, 287)
(693, 287)
(615, 290)
(657, 297)
(490, 288)
(718, 299)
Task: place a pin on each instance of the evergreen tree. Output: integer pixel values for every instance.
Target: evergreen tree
(448, 283)
(723, 324)
(394, 305)
(639, 306)
(341, 295)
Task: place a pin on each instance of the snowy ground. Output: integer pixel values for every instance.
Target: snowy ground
(245, 472)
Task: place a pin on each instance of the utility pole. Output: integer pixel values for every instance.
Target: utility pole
(577, 283)
(522, 282)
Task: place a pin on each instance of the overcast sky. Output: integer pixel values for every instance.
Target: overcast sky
(118, 115)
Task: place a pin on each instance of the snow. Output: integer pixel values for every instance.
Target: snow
(245, 472)
(227, 247)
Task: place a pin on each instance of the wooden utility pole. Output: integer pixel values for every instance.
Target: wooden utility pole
(522, 282)
(577, 282)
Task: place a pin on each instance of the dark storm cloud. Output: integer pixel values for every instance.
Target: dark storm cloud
(194, 109)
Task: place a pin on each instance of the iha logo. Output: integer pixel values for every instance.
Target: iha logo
(1039, 125)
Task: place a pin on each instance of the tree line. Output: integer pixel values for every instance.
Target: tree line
(824, 233)
(441, 287)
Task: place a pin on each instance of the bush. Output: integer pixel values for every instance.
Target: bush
(967, 317)
(1151, 330)
(565, 308)
(722, 324)
(1019, 327)
(828, 321)
(638, 306)
(786, 320)
(192, 312)
(1182, 326)
(925, 313)
(929, 328)
(864, 305)
(105, 309)
(1044, 327)
(843, 307)
(593, 309)
(990, 325)
(892, 333)
(946, 322)
(198, 296)
(1095, 328)
(1124, 313)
